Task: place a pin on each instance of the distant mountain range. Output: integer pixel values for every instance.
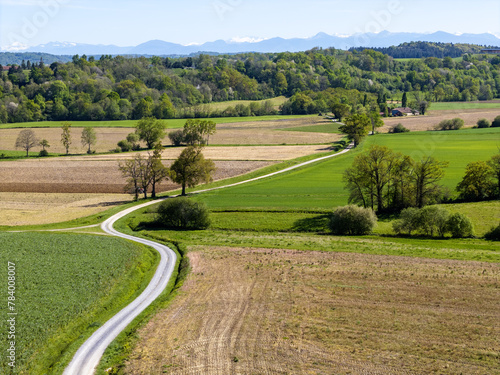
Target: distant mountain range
(162, 48)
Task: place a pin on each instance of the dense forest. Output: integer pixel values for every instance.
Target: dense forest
(116, 88)
(416, 50)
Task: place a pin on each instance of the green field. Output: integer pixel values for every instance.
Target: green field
(320, 186)
(447, 106)
(67, 285)
(171, 123)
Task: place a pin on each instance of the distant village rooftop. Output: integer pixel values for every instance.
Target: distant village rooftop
(491, 50)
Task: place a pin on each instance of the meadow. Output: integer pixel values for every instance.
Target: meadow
(67, 285)
(320, 186)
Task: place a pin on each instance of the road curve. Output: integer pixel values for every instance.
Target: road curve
(89, 355)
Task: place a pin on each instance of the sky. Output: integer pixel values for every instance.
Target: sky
(129, 23)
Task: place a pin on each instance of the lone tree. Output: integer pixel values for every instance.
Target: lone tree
(477, 183)
(356, 127)
(191, 167)
(133, 170)
(426, 174)
(198, 132)
(157, 171)
(27, 140)
(150, 130)
(66, 136)
(89, 138)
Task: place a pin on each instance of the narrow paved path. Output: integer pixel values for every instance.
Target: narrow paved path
(89, 355)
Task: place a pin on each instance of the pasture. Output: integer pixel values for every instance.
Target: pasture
(320, 186)
(67, 285)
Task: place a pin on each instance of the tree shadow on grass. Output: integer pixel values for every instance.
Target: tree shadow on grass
(312, 224)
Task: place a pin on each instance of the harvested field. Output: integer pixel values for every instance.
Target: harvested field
(427, 122)
(64, 175)
(261, 311)
(267, 153)
(44, 208)
(257, 132)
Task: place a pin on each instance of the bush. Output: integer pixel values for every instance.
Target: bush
(493, 234)
(409, 221)
(460, 226)
(454, 124)
(352, 220)
(176, 137)
(483, 123)
(399, 128)
(496, 122)
(125, 145)
(43, 153)
(433, 219)
(182, 213)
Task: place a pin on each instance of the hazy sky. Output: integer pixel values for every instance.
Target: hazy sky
(127, 22)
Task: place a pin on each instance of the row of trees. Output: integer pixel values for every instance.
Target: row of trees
(143, 174)
(27, 140)
(117, 88)
(388, 181)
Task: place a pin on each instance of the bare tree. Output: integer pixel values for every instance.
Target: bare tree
(66, 136)
(27, 140)
(89, 138)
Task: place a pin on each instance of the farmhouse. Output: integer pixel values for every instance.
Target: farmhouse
(494, 51)
(404, 111)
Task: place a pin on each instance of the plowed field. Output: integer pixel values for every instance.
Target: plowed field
(252, 311)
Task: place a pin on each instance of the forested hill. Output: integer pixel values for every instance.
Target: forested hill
(9, 58)
(119, 88)
(416, 50)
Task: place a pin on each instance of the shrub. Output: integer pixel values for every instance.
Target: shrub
(43, 153)
(483, 123)
(125, 145)
(409, 221)
(496, 122)
(433, 219)
(352, 220)
(399, 128)
(454, 124)
(460, 226)
(176, 137)
(493, 234)
(182, 213)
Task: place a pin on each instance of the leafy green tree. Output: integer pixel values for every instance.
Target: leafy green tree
(191, 167)
(496, 122)
(460, 226)
(356, 127)
(483, 123)
(26, 140)
(157, 171)
(434, 219)
(340, 110)
(66, 136)
(376, 120)
(197, 132)
(477, 183)
(494, 164)
(426, 175)
(88, 138)
(150, 130)
(409, 221)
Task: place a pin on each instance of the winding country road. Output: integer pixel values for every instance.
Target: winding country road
(89, 355)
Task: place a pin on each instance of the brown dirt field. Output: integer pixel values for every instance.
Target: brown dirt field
(268, 153)
(258, 132)
(41, 208)
(427, 122)
(261, 311)
(64, 175)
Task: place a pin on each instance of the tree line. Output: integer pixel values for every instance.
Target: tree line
(119, 88)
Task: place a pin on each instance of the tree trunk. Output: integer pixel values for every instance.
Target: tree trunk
(183, 189)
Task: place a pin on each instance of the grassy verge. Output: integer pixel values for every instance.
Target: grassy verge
(117, 353)
(67, 285)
